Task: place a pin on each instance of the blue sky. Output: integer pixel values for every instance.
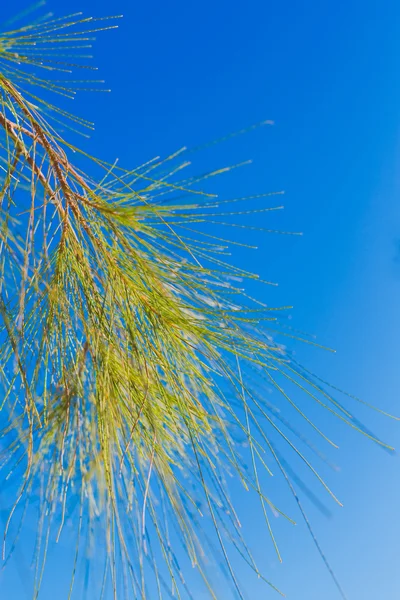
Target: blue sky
(327, 74)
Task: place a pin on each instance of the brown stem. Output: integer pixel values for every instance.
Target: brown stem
(57, 162)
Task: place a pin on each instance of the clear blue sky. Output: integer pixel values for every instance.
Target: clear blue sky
(328, 74)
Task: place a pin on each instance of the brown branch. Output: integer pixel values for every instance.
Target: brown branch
(10, 127)
(57, 162)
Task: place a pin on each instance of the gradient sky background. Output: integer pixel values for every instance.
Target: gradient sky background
(327, 73)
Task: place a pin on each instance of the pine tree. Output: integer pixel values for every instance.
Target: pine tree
(133, 362)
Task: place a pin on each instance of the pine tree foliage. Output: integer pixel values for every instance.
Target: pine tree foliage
(133, 362)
